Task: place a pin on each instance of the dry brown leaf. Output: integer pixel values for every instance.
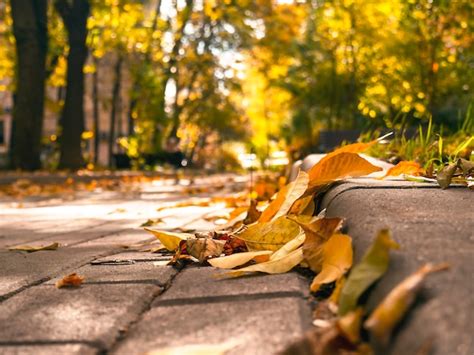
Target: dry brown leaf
(405, 167)
(237, 259)
(339, 166)
(394, 306)
(337, 259)
(31, 249)
(152, 222)
(318, 231)
(72, 280)
(170, 240)
(285, 198)
(203, 248)
(278, 266)
(446, 174)
(252, 214)
(269, 235)
(304, 205)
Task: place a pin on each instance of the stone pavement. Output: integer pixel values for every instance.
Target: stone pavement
(131, 303)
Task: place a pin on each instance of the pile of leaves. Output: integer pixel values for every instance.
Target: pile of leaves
(285, 234)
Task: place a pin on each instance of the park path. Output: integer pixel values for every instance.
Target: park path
(131, 302)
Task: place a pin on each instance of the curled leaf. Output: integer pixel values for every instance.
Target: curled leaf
(446, 174)
(317, 231)
(72, 280)
(405, 167)
(337, 259)
(285, 198)
(339, 166)
(31, 249)
(269, 235)
(170, 240)
(203, 248)
(394, 306)
(372, 266)
(278, 266)
(237, 259)
(303, 206)
(252, 214)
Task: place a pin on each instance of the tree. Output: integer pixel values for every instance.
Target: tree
(30, 31)
(74, 15)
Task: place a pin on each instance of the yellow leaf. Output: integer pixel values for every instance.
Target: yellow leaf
(237, 259)
(337, 259)
(269, 235)
(339, 166)
(289, 247)
(317, 231)
(394, 306)
(31, 249)
(351, 148)
(203, 248)
(278, 266)
(405, 167)
(285, 198)
(72, 280)
(304, 205)
(350, 324)
(170, 240)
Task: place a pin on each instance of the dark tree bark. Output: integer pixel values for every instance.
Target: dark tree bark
(30, 31)
(115, 107)
(74, 14)
(95, 109)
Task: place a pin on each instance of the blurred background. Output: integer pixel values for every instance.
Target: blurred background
(227, 84)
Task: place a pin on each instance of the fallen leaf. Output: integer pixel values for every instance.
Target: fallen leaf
(351, 148)
(269, 235)
(372, 266)
(293, 244)
(252, 214)
(31, 249)
(278, 266)
(333, 300)
(405, 167)
(203, 248)
(337, 259)
(285, 198)
(303, 206)
(339, 166)
(317, 231)
(237, 259)
(466, 166)
(169, 240)
(394, 306)
(200, 349)
(151, 222)
(72, 280)
(350, 325)
(446, 174)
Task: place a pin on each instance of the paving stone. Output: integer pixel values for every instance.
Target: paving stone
(47, 349)
(92, 313)
(431, 225)
(202, 282)
(262, 326)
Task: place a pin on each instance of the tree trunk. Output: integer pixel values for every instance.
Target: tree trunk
(74, 14)
(115, 107)
(95, 110)
(30, 31)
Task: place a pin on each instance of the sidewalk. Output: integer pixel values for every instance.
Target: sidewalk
(131, 303)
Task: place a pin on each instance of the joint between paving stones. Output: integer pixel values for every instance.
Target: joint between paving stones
(123, 334)
(227, 298)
